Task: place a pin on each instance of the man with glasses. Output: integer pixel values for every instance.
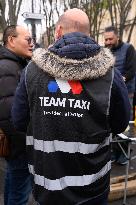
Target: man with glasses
(17, 48)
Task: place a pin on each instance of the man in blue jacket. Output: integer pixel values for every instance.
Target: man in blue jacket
(70, 99)
(125, 62)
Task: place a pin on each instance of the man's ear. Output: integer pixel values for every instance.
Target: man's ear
(11, 41)
(58, 32)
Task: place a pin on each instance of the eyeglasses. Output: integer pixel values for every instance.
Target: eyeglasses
(29, 40)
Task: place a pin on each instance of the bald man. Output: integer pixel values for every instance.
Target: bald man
(69, 103)
(17, 46)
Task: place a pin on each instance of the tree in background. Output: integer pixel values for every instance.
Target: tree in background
(9, 16)
(95, 10)
(50, 7)
(54, 8)
(119, 11)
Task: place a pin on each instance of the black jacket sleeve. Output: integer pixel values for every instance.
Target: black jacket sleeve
(21, 105)
(9, 78)
(130, 64)
(119, 105)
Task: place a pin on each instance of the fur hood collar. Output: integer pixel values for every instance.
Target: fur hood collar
(70, 69)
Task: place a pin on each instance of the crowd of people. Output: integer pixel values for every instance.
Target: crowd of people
(59, 108)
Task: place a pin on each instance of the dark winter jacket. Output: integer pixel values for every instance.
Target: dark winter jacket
(10, 70)
(125, 62)
(72, 103)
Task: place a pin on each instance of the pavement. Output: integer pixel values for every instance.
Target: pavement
(117, 170)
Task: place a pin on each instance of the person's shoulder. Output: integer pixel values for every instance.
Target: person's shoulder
(30, 66)
(118, 82)
(130, 49)
(9, 65)
(31, 71)
(128, 45)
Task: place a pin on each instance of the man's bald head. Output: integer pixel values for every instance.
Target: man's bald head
(73, 20)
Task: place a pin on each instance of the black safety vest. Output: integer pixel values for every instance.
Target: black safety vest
(68, 139)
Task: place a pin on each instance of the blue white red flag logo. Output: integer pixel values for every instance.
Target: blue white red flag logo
(65, 86)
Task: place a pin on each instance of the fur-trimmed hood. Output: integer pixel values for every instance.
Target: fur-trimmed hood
(70, 69)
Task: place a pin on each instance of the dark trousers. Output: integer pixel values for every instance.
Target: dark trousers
(18, 184)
